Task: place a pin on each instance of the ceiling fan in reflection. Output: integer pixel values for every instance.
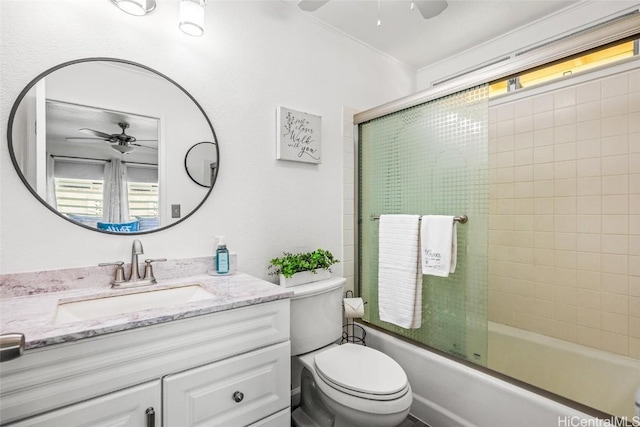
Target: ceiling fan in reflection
(427, 8)
(121, 141)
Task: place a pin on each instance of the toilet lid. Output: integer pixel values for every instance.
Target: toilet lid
(361, 369)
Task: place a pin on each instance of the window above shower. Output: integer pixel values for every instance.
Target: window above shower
(586, 61)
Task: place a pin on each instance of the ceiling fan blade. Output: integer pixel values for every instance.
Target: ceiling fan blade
(145, 146)
(83, 139)
(311, 5)
(431, 8)
(95, 133)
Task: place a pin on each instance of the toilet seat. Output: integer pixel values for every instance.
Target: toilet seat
(361, 372)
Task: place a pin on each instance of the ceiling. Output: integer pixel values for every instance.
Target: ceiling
(406, 36)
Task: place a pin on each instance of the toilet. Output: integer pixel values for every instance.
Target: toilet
(340, 385)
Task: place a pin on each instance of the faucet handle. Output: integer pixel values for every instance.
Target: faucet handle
(148, 269)
(119, 278)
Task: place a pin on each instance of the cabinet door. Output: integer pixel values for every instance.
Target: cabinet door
(234, 392)
(281, 419)
(124, 408)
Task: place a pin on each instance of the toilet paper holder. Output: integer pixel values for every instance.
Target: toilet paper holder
(351, 332)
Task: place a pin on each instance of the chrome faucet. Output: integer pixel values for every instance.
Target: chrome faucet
(136, 249)
(134, 276)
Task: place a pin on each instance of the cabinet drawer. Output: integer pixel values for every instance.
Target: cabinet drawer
(234, 392)
(124, 408)
(281, 419)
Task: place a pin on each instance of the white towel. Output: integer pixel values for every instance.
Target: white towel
(438, 245)
(399, 284)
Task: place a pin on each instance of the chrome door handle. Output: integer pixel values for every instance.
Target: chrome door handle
(11, 346)
(151, 417)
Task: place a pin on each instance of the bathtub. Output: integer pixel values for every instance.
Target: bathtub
(450, 394)
(594, 377)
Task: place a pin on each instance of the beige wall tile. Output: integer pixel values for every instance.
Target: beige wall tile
(589, 243)
(589, 167)
(567, 115)
(615, 165)
(586, 131)
(543, 120)
(617, 264)
(564, 133)
(615, 145)
(589, 205)
(589, 224)
(588, 280)
(589, 300)
(615, 125)
(615, 85)
(588, 111)
(589, 261)
(564, 97)
(588, 336)
(588, 92)
(542, 103)
(615, 343)
(615, 205)
(615, 184)
(614, 322)
(590, 186)
(542, 137)
(523, 141)
(615, 105)
(615, 224)
(615, 303)
(634, 348)
(588, 317)
(615, 244)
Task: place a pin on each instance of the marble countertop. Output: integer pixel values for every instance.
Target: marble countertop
(34, 315)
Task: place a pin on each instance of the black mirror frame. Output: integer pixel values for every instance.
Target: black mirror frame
(186, 167)
(32, 83)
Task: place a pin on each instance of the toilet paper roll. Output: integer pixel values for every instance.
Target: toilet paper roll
(353, 308)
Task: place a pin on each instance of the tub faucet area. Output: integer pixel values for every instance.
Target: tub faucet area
(134, 276)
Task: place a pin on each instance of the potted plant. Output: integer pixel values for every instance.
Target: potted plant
(304, 267)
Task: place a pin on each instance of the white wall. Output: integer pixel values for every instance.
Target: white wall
(255, 56)
(581, 15)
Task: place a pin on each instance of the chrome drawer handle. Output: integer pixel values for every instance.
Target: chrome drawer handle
(238, 396)
(151, 417)
(11, 346)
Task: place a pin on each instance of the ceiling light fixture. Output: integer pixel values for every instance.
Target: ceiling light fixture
(192, 17)
(135, 7)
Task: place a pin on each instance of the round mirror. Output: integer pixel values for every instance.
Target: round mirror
(201, 163)
(99, 141)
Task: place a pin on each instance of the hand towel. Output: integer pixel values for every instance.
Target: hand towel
(438, 245)
(399, 284)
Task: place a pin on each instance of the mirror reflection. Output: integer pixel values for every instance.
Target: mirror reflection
(100, 141)
(201, 163)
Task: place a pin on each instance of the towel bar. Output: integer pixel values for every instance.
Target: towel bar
(462, 219)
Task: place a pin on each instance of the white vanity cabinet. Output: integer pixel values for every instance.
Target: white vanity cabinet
(233, 392)
(230, 368)
(133, 407)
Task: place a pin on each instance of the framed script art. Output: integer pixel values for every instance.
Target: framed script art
(298, 136)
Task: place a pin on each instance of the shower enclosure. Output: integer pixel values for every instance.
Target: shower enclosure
(432, 159)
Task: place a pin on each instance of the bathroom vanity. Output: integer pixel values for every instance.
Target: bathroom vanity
(220, 360)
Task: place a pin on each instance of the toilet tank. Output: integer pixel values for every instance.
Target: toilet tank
(316, 314)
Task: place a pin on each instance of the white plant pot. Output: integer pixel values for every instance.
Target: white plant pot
(304, 277)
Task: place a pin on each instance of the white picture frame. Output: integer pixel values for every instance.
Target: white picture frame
(299, 136)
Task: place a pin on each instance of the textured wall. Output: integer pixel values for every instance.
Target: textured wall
(255, 56)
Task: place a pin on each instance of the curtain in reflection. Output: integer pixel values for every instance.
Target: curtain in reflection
(51, 183)
(116, 200)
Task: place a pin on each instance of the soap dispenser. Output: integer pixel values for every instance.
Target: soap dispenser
(222, 257)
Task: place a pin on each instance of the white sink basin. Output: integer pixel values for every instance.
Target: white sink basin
(144, 300)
